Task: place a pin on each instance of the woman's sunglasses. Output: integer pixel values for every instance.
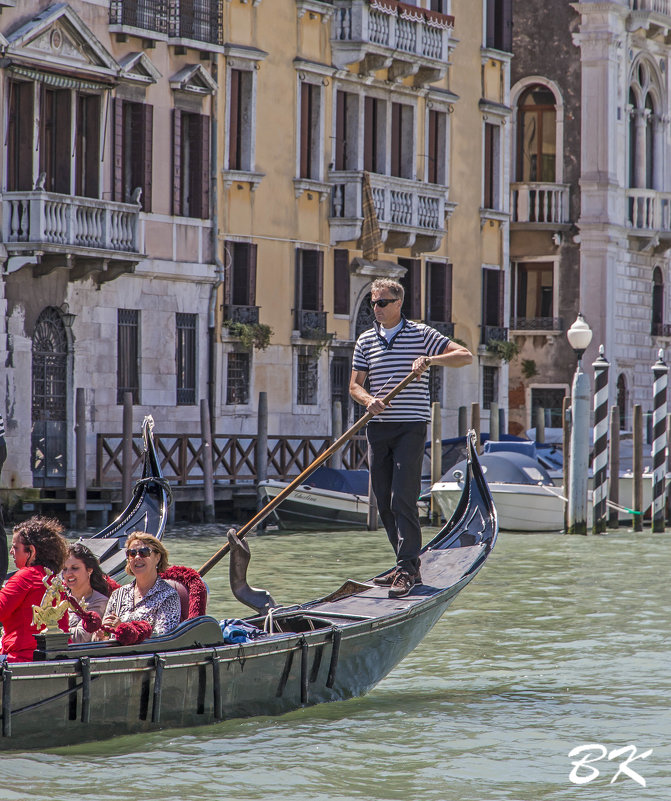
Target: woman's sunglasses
(382, 302)
(144, 552)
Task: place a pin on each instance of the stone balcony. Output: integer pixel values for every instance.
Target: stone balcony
(539, 205)
(387, 34)
(653, 16)
(85, 235)
(180, 22)
(409, 213)
(649, 214)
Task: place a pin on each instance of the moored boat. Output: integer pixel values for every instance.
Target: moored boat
(329, 649)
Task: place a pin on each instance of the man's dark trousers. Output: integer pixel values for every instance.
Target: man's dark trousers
(396, 454)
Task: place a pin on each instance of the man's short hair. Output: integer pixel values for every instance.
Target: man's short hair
(394, 287)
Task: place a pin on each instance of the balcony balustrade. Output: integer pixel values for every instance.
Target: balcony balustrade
(311, 324)
(537, 324)
(46, 218)
(539, 203)
(387, 34)
(652, 6)
(661, 330)
(649, 210)
(446, 329)
(494, 332)
(242, 314)
(196, 20)
(408, 212)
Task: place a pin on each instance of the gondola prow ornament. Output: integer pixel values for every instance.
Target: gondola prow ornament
(51, 609)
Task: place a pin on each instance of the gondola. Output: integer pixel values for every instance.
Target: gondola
(147, 510)
(328, 649)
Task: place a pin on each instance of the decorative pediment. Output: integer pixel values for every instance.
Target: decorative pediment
(59, 38)
(194, 78)
(138, 68)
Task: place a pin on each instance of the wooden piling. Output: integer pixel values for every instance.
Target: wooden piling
(494, 429)
(668, 468)
(475, 423)
(540, 424)
(637, 501)
(80, 452)
(462, 425)
(436, 458)
(261, 448)
(566, 449)
(336, 433)
(127, 449)
(502, 422)
(614, 467)
(206, 455)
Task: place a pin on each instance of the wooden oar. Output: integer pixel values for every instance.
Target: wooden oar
(277, 500)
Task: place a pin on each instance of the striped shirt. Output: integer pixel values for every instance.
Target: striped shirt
(388, 363)
(2, 427)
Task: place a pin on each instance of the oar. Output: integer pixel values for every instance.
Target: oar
(277, 500)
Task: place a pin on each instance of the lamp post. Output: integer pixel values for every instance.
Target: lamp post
(579, 336)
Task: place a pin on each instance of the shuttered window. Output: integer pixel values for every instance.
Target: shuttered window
(436, 172)
(240, 289)
(412, 284)
(492, 297)
(491, 167)
(55, 132)
(185, 357)
(133, 142)
(191, 164)
(20, 137)
(346, 131)
(499, 25)
(401, 140)
(340, 281)
(372, 152)
(309, 280)
(438, 292)
(309, 131)
(87, 146)
(128, 354)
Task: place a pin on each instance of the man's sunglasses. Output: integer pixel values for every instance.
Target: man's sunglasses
(144, 552)
(382, 302)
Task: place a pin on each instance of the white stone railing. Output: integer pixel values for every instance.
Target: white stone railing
(398, 201)
(423, 34)
(539, 203)
(79, 222)
(649, 210)
(656, 6)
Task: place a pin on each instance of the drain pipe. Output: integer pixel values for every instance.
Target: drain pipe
(219, 267)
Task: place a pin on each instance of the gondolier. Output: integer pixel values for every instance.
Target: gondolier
(393, 347)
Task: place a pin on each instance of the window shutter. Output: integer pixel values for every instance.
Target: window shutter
(176, 161)
(396, 136)
(432, 167)
(306, 114)
(117, 145)
(234, 122)
(341, 133)
(148, 131)
(91, 184)
(490, 39)
(448, 293)
(507, 25)
(204, 166)
(229, 255)
(320, 280)
(252, 275)
(488, 190)
(340, 281)
(370, 134)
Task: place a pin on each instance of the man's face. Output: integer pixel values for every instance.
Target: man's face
(388, 314)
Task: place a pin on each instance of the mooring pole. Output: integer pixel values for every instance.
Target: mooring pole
(336, 433)
(614, 467)
(600, 459)
(661, 371)
(539, 419)
(436, 456)
(475, 423)
(127, 449)
(637, 468)
(261, 447)
(208, 469)
(566, 447)
(462, 424)
(494, 428)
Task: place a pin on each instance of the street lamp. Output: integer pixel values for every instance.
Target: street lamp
(579, 336)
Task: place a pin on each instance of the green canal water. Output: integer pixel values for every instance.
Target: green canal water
(560, 642)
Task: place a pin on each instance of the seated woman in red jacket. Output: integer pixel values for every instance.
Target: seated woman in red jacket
(38, 543)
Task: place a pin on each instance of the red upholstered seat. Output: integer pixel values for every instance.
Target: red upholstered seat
(183, 597)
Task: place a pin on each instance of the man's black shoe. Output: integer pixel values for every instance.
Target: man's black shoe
(386, 579)
(402, 584)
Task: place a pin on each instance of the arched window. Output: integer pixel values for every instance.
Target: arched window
(49, 400)
(657, 328)
(643, 110)
(622, 400)
(536, 135)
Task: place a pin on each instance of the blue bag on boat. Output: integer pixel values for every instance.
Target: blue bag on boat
(235, 630)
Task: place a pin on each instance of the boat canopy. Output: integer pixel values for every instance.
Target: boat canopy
(506, 467)
(354, 482)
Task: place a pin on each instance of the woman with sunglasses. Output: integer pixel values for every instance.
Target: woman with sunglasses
(87, 584)
(38, 545)
(148, 597)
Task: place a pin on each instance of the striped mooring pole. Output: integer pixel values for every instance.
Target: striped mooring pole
(660, 370)
(600, 458)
